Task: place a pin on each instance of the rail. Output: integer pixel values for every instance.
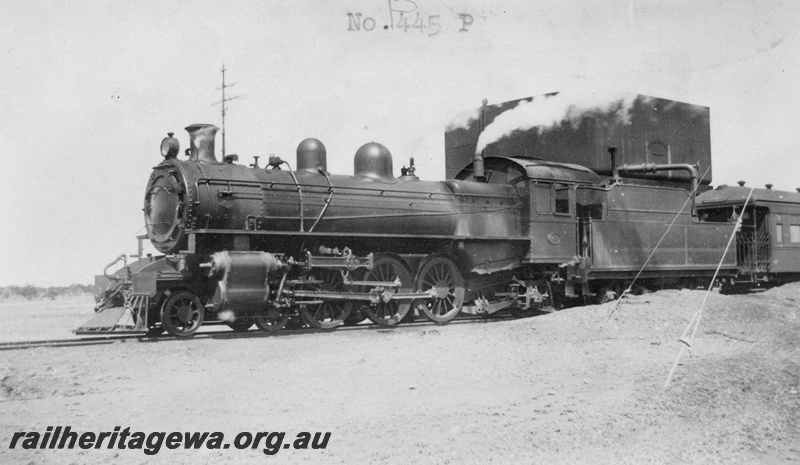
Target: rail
(222, 335)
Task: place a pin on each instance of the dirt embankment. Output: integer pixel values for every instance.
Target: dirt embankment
(569, 387)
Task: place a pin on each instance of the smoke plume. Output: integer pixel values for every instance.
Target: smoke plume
(553, 110)
(464, 119)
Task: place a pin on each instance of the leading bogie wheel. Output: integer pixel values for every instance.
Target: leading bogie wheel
(240, 325)
(273, 320)
(155, 330)
(329, 314)
(388, 269)
(182, 314)
(441, 277)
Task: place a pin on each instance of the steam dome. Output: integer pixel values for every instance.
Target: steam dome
(311, 156)
(373, 160)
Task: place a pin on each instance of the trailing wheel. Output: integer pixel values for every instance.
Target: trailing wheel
(540, 287)
(388, 269)
(522, 312)
(272, 320)
(440, 276)
(331, 313)
(182, 314)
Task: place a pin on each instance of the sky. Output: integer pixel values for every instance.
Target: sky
(89, 88)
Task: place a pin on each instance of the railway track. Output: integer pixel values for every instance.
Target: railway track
(84, 341)
(250, 334)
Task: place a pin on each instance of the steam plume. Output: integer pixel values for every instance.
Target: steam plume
(463, 119)
(553, 110)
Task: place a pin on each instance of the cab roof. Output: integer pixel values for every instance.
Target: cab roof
(533, 168)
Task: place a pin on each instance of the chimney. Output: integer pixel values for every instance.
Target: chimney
(768, 186)
(741, 183)
(612, 150)
(201, 141)
(478, 173)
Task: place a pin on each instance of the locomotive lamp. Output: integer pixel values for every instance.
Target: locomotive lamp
(170, 146)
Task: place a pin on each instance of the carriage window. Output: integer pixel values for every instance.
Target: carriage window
(779, 233)
(719, 215)
(544, 198)
(794, 233)
(562, 199)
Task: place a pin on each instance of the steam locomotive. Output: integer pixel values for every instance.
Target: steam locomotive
(538, 215)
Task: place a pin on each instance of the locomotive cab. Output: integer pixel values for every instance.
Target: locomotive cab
(550, 210)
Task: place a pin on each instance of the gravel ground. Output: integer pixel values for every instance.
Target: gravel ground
(570, 387)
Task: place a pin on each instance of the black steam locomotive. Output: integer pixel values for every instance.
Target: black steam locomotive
(541, 215)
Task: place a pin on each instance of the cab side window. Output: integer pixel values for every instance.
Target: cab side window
(544, 198)
(553, 198)
(562, 199)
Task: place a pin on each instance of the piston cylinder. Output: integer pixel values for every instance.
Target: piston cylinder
(244, 285)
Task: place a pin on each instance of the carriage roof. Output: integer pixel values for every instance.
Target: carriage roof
(736, 195)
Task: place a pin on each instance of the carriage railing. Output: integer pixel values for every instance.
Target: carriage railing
(752, 252)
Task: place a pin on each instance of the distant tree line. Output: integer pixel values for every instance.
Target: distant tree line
(31, 292)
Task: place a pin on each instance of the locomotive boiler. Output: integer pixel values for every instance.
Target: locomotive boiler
(223, 205)
(554, 211)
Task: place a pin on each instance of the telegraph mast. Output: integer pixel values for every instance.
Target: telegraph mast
(224, 108)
